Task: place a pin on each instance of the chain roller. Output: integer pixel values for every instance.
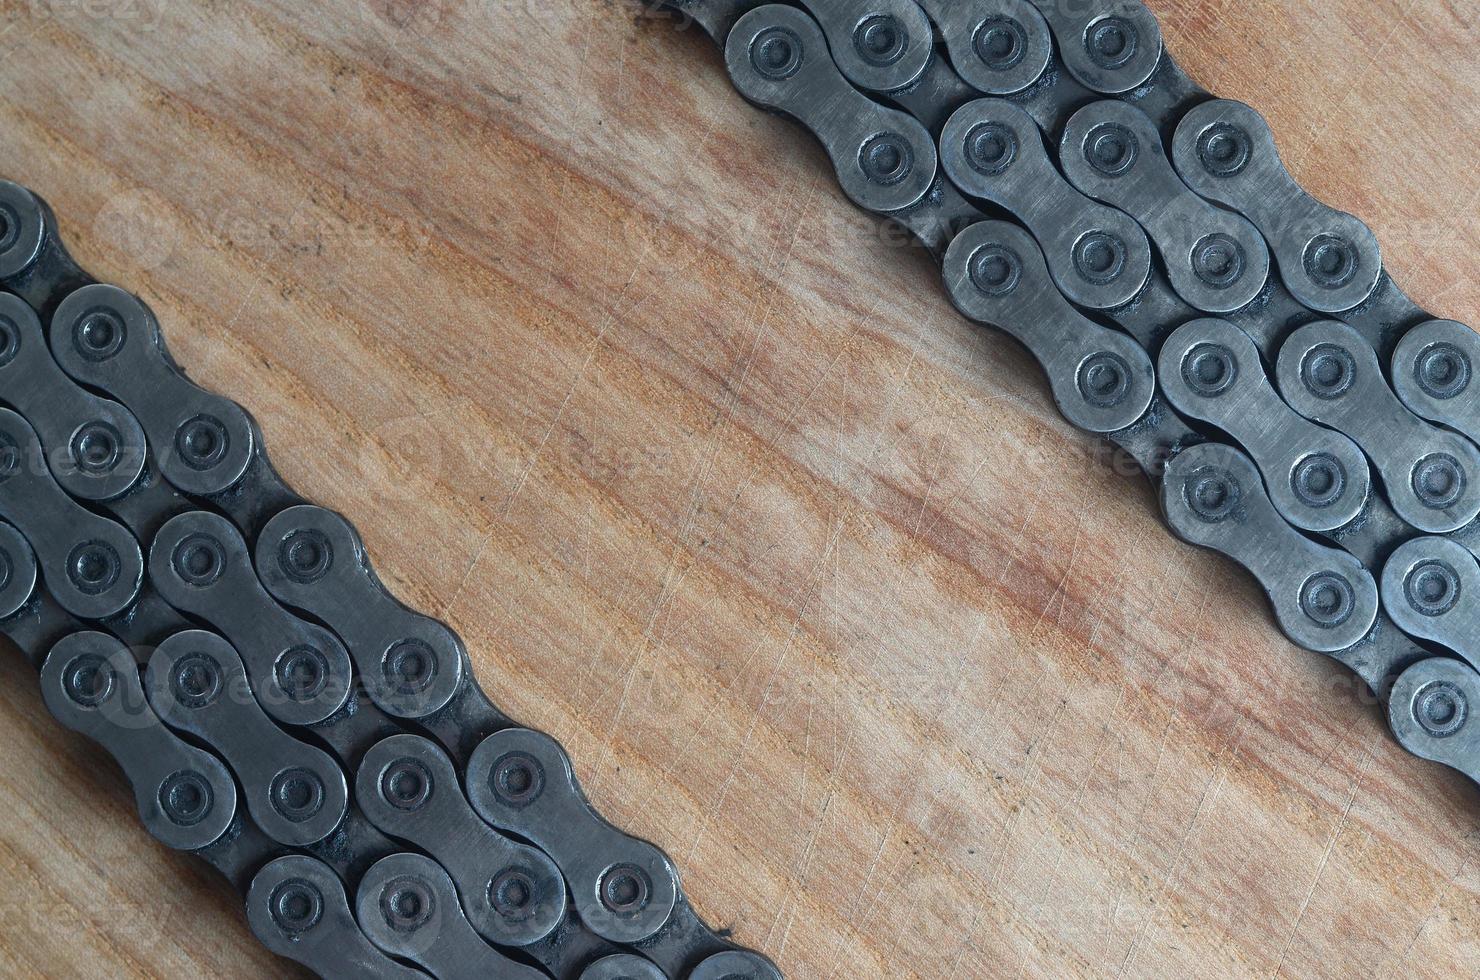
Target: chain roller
(1431, 587)
(998, 47)
(883, 48)
(18, 572)
(22, 230)
(1430, 710)
(1110, 48)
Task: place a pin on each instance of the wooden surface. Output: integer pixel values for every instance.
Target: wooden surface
(808, 576)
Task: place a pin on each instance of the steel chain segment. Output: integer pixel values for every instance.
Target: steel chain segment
(1323, 599)
(61, 565)
(512, 893)
(409, 907)
(1325, 263)
(200, 560)
(1099, 257)
(90, 564)
(521, 781)
(1329, 374)
(1217, 260)
(106, 338)
(995, 274)
(197, 683)
(93, 446)
(185, 796)
(300, 672)
(1329, 260)
(84, 689)
(1316, 477)
(313, 559)
(415, 667)
(884, 159)
(203, 444)
(297, 907)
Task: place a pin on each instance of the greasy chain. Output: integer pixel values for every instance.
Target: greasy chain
(276, 710)
(1188, 300)
(328, 750)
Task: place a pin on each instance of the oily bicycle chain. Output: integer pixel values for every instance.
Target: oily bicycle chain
(1187, 299)
(275, 709)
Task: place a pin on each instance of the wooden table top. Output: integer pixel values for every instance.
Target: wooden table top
(805, 572)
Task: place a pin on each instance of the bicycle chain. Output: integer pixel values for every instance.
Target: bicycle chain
(1058, 163)
(1185, 297)
(276, 710)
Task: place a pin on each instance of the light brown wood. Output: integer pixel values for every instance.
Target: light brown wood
(804, 571)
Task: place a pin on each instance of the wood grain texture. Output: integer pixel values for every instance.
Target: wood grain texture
(804, 571)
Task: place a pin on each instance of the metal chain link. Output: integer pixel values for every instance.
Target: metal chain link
(274, 707)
